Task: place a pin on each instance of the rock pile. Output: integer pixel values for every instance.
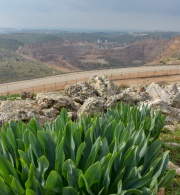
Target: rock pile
(91, 97)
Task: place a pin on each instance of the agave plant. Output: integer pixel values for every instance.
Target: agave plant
(116, 153)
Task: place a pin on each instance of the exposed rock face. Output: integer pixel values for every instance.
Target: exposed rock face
(92, 106)
(103, 86)
(80, 92)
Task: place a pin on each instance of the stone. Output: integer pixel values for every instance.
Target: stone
(58, 101)
(169, 127)
(92, 106)
(17, 110)
(173, 114)
(51, 113)
(156, 92)
(172, 89)
(173, 166)
(72, 115)
(80, 92)
(161, 191)
(174, 100)
(26, 95)
(103, 86)
(172, 144)
(127, 96)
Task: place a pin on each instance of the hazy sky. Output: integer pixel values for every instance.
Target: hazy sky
(91, 14)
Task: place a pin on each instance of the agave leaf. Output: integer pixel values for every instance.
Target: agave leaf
(34, 124)
(93, 173)
(92, 154)
(71, 173)
(50, 150)
(41, 135)
(138, 182)
(16, 186)
(84, 184)
(11, 138)
(26, 139)
(23, 155)
(4, 189)
(69, 191)
(32, 182)
(35, 145)
(79, 153)
(60, 157)
(167, 179)
(43, 165)
(30, 192)
(69, 140)
(6, 170)
(54, 183)
(161, 166)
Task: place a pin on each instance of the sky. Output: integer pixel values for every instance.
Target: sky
(91, 14)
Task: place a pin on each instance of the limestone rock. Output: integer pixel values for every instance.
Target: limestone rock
(161, 191)
(51, 112)
(156, 92)
(173, 114)
(26, 95)
(173, 166)
(80, 92)
(174, 100)
(72, 115)
(128, 95)
(103, 86)
(58, 101)
(92, 106)
(172, 89)
(17, 110)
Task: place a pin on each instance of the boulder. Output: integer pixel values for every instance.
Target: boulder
(156, 92)
(17, 110)
(103, 86)
(172, 89)
(80, 92)
(51, 112)
(92, 106)
(127, 96)
(26, 95)
(174, 100)
(55, 100)
(173, 114)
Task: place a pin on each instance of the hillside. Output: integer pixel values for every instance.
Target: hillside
(71, 56)
(171, 55)
(14, 67)
(34, 55)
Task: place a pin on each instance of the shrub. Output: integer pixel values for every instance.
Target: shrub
(116, 153)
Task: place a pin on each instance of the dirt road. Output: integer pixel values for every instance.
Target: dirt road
(121, 73)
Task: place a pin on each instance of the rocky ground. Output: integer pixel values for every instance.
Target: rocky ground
(94, 96)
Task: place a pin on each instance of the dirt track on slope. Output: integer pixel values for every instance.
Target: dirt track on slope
(123, 76)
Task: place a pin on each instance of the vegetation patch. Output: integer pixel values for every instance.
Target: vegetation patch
(116, 153)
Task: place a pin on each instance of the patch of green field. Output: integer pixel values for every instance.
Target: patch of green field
(13, 67)
(174, 155)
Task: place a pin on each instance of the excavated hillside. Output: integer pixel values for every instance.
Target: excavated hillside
(171, 55)
(72, 56)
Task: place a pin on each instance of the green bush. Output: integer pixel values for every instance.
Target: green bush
(116, 153)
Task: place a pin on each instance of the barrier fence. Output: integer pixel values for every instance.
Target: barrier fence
(120, 78)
